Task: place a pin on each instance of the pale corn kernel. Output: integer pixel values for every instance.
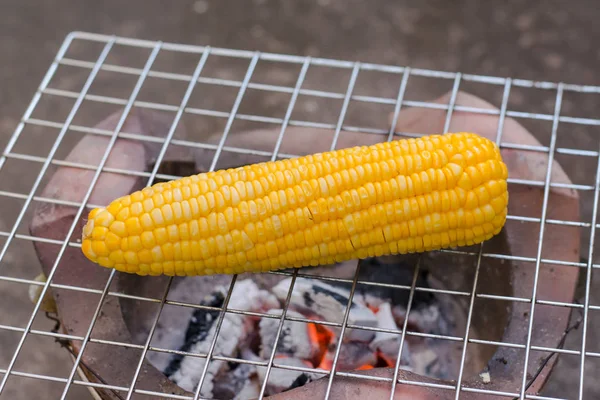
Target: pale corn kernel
(92, 214)
(478, 216)
(147, 191)
(168, 251)
(100, 248)
(168, 196)
(131, 257)
(157, 268)
(469, 220)
(105, 262)
(469, 236)
(184, 232)
(148, 205)
(472, 201)
(488, 228)
(113, 242)
(309, 238)
(221, 245)
(98, 232)
(123, 214)
(134, 243)
(148, 240)
(86, 248)
(453, 220)
(103, 218)
(478, 231)
(177, 212)
(157, 254)
(422, 205)
(299, 239)
(194, 229)
(196, 251)
(496, 187)
(488, 212)
(476, 178)
(186, 210)
(222, 223)
(420, 227)
(118, 228)
(123, 267)
(136, 209)
(504, 170)
(261, 232)
(160, 235)
(452, 234)
(270, 229)
(146, 221)
(434, 201)
(137, 196)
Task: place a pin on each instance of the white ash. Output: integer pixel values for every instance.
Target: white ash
(294, 340)
(186, 371)
(485, 377)
(318, 299)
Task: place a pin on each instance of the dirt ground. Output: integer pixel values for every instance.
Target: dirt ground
(519, 39)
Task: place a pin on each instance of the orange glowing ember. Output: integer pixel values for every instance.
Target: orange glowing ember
(386, 360)
(375, 309)
(365, 367)
(326, 364)
(320, 335)
(323, 337)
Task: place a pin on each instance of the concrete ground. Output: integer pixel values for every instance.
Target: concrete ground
(521, 39)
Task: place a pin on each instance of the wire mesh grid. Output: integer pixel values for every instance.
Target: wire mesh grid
(190, 80)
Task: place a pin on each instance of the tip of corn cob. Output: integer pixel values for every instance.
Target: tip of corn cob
(405, 196)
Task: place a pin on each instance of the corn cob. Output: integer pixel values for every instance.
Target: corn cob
(404, 196)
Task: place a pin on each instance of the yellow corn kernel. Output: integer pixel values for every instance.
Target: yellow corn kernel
(118, 228)
(404, 196)
(98, 232)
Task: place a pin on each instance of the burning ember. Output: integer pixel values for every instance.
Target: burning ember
(302, 345)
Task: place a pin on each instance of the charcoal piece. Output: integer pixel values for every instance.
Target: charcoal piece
(388, 344)
(425, 361)
(352, 355)
(294, 340)
(284, 379)
(428, 319)
(198, 328)
(187, 370)
(397, 270)
(317, 299)
(239, 379)
(250, 390)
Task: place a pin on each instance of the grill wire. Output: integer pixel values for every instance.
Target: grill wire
(204, 53)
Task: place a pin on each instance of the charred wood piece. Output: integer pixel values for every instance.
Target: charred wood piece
(320, 300)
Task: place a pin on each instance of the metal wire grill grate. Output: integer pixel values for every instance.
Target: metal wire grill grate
(91, 69)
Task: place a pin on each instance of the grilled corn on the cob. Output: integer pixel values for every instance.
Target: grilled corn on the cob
(404, 196)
